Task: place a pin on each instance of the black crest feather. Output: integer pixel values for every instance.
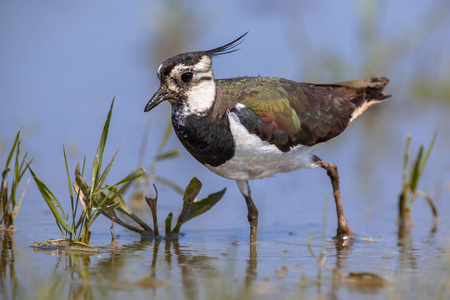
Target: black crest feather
(228, 48)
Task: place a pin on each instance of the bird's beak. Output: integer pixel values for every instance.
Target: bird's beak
(161, 95)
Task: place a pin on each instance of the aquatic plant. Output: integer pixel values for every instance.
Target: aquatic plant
(95, 199)
(100, 198)
(410, 182)
(9, 205)
(191, 208)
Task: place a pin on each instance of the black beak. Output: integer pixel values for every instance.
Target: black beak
(161, 95)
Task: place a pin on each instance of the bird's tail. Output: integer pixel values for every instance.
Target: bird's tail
(370, 93)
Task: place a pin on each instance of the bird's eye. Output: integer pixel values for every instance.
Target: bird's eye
(187, 76)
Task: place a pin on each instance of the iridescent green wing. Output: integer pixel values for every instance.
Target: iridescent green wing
(286, 113)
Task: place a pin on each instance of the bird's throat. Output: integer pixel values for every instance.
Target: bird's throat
(200, 97)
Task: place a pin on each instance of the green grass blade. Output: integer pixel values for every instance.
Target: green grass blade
(16, 177)
(104, 137)
(105, 173)
(130, 177)
(98, 159)
(123, 208)
(80, 224)
(23, 166)
(168, 155)
(415, 172)
(69, 182)
(11, 153)
(427, 154)
(105, 202)
(82, 174)
(3, 197)
(101, 201)
(406, 158)
(50, 199)
(95, 171)
(19, 202)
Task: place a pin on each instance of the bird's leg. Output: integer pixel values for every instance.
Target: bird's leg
(343, 230)
(252, 210)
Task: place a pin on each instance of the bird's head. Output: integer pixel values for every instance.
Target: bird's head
(187, 79)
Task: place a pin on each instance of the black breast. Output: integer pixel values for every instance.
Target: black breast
(208, 140)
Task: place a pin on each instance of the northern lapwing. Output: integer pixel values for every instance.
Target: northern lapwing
(249, 128)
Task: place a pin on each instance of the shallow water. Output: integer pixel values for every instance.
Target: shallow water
(220, 264)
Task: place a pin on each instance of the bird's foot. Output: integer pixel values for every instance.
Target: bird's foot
(344, 236)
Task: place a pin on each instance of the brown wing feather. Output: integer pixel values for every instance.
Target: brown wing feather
(287, 113)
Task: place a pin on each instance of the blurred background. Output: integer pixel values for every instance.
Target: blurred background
(61, 64)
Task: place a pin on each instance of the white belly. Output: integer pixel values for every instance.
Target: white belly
(255, 159)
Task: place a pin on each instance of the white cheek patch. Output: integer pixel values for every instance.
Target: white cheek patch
(201, 97)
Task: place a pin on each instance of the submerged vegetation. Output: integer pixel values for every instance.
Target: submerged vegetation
(410, 183)
(9, 205)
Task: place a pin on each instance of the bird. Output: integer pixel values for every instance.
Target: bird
(248, 128)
